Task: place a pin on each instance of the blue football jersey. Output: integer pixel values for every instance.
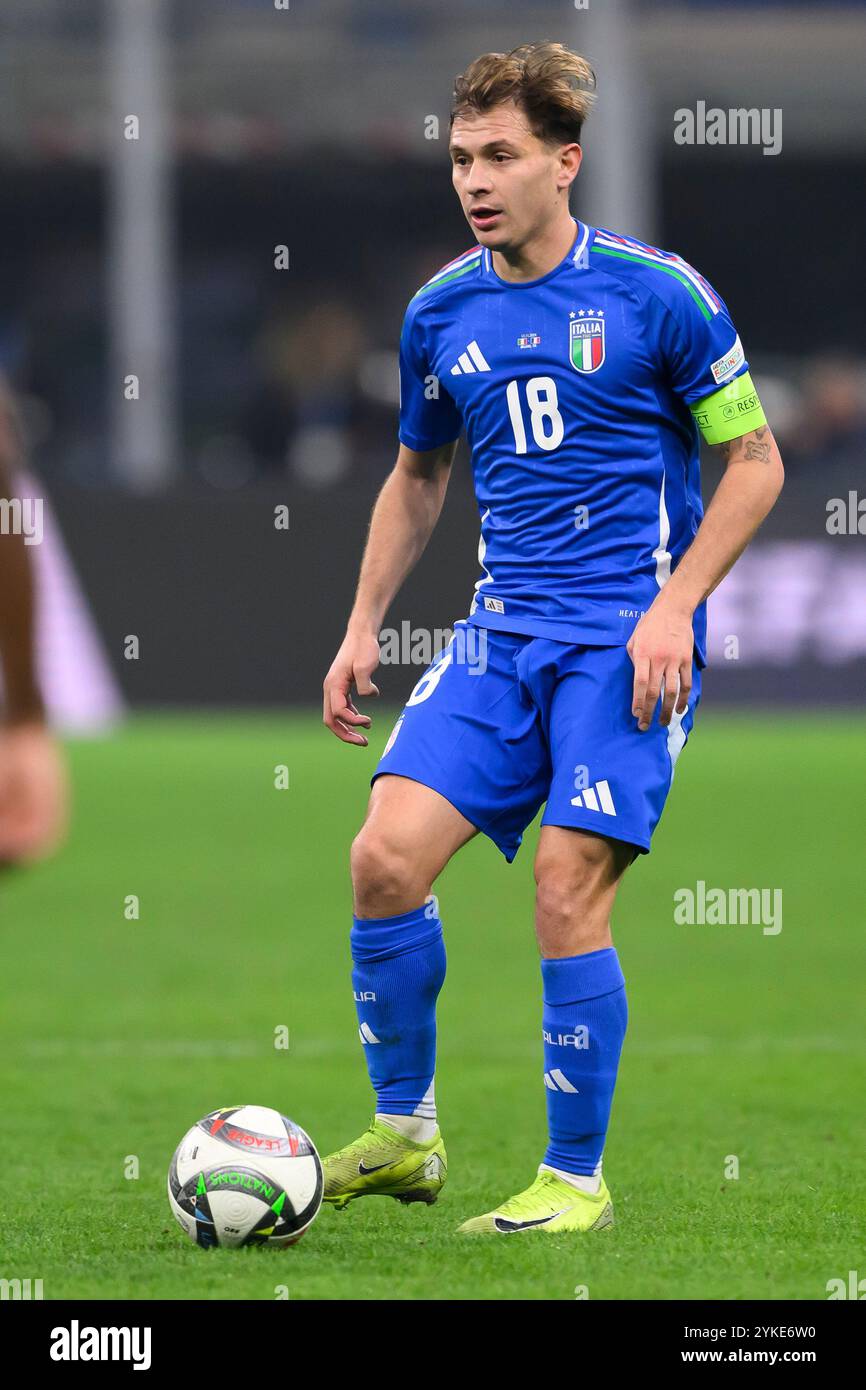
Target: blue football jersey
(574, 391)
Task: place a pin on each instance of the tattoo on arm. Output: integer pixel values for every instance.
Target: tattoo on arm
(748, 447)
(755, 449)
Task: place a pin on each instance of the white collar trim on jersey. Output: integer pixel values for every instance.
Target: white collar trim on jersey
(580, 248)
(575, 255)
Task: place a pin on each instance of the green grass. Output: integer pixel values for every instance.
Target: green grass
(116, 1034)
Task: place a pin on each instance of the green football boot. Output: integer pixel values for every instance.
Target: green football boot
(550, 1204)
(384, 1164)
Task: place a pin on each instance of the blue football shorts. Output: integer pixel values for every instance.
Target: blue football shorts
(499, 724)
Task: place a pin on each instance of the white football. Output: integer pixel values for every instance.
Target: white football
(245, 1175)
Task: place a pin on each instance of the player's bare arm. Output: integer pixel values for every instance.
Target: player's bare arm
(402, 523)
(661, 645)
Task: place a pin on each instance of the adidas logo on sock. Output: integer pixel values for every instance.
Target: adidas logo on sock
(472, 360)
(590, 800)
(556, 1080)
(366, 1034)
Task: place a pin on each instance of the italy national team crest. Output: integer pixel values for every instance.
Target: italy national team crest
(586, 339)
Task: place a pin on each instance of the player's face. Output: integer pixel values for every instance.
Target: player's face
(510, 183)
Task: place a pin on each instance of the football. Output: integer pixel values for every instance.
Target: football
(245, 1175)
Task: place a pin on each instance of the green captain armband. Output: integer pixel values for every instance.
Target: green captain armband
(729, 412)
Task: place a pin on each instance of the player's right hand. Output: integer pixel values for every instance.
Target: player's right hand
(354, 664)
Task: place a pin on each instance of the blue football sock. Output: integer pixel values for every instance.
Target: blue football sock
(584, 1021)
(399, 967)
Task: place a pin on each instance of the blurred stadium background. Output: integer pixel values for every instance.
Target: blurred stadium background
(309, 128)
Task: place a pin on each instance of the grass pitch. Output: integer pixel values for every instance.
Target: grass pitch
(118, 1034)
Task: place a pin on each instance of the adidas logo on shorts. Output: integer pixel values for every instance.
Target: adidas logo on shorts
(597, 798)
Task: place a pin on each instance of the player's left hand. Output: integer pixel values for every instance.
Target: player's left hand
(33, 793)
(661, 649)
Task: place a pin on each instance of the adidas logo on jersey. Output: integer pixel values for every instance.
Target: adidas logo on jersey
(472, 360)
(590, 800)
(366, 1034)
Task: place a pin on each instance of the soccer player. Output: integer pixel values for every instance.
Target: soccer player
(584, 366)
(32, 777)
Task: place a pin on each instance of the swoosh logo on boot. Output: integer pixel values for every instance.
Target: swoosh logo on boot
(364, 1170)
(503, 1224)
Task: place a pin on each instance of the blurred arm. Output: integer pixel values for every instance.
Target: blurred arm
(33, 789)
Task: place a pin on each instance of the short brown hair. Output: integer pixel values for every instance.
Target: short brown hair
(553, 86)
